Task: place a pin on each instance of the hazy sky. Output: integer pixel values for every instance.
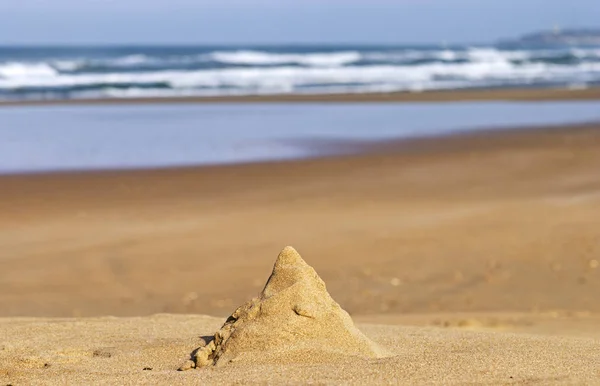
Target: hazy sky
(281, 21)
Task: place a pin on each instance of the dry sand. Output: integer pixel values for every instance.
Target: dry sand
(112, 351)
(471, 258)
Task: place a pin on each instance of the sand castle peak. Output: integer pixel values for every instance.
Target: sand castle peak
(293, 318)
(289, 256)
(290, 269)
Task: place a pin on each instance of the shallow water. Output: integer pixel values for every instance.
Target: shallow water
(137, 136)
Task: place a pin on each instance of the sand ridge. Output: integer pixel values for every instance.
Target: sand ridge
(294, 319)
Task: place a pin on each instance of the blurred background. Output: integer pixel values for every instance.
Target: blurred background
(70, 49)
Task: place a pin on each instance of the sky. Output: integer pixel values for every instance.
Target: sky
(284, 21)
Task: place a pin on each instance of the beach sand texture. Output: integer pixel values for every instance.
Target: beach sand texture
(470, 259)
(294, 319)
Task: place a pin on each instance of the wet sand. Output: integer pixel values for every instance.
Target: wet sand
(474, 258)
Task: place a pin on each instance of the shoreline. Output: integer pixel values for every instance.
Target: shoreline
(523, 94)
(340, 149)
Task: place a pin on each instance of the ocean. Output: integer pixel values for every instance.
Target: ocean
(41, 73)
(54, 138)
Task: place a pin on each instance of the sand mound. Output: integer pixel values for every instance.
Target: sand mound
(294, 319)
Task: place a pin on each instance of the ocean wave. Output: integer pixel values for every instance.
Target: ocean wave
(223, 72)
(136, 92)
(287, 79)
(334, 59)
(133, 62)
(204, 60)
(447, 55)
(485, 55)
(16, 70)
(140, 62)
(67, 65)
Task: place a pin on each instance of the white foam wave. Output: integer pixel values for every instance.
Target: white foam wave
(132, 60)
(404, 56)
(144, 62)
(16, 70)
(446, 55)
(129, 61)
(265, 58)
(493, 55)
(268, 73)
(333, 89)
(480, 54)
(288, 79)
(67, 65)
(586, 53)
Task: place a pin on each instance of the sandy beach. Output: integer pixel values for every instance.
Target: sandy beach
(472, 258)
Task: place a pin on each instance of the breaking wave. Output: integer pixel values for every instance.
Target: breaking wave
(137, 72)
